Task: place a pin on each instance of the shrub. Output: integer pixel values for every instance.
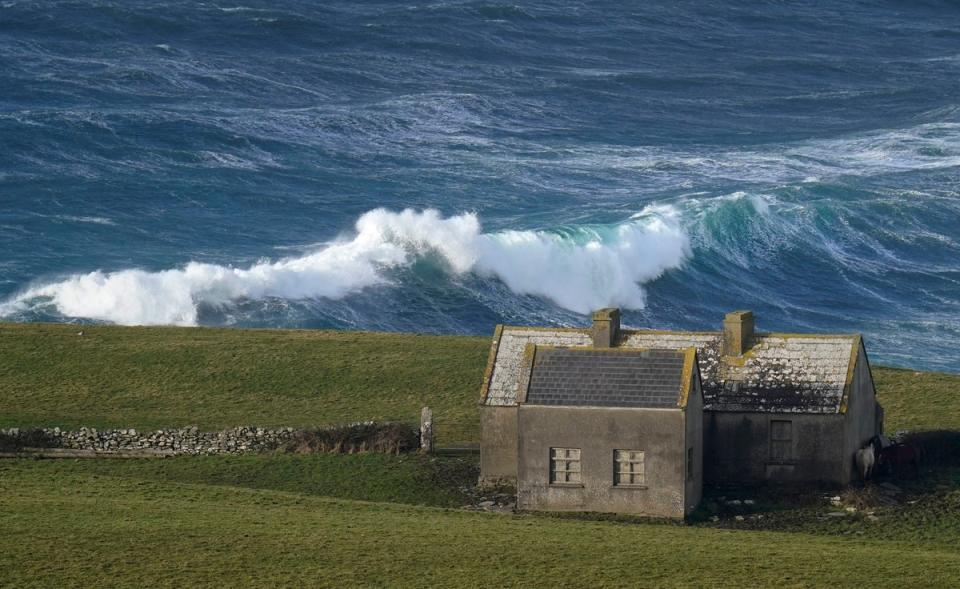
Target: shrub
(937, 447)
(15, 440)
(391, 438)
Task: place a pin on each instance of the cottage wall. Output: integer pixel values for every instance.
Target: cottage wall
(861, 421)
(660, 433)
(737, 448)
(694, 440)
(498, 448)
(799, 378)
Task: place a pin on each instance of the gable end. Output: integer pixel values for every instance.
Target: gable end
(491, 362)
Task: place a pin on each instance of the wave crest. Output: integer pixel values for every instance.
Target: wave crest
(580, 269)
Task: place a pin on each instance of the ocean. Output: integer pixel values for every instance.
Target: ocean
(445, 166)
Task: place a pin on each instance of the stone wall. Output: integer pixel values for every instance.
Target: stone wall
(188, 440)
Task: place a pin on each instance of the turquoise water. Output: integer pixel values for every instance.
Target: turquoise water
(446, 166)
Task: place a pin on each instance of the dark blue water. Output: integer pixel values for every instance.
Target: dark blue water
(249, 163)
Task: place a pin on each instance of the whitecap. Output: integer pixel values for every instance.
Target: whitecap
(85, 219)
(579, 268)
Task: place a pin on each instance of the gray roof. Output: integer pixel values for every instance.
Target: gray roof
(606, 378)
(780, 373)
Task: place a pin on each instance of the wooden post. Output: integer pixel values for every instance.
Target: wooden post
(426, 430)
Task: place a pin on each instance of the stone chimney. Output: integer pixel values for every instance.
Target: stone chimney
(737, 332)
(606, 327)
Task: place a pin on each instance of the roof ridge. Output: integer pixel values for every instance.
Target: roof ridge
(655, 331)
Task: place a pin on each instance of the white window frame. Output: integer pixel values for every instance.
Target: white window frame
(629, 468)
(565, 466)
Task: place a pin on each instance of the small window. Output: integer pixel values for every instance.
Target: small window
(781, 440)
(689, 463)
(628, 468)
(565, 466)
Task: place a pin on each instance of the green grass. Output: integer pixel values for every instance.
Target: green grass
(438, 481)
(381, 520)
(131, 524)
(153, 377)
(918, 400)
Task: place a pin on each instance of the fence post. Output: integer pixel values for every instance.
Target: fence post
(426, 430)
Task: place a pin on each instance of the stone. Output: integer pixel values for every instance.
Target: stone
(426, 430)
(739, 518)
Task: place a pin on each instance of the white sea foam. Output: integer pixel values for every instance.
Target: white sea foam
(84, 219)
(931, 146)
(579, 269)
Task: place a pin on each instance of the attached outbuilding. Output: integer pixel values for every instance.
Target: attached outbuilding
(777, 407)
(611, 430)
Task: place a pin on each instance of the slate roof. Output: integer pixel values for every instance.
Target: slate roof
(780, 373)
(607, 378)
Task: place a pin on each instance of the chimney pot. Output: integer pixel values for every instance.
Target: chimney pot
(737, 332)
(606, 327)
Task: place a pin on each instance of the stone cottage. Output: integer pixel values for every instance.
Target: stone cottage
(776, 406)
(609, 429)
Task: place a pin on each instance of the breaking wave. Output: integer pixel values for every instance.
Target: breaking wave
(579, 269)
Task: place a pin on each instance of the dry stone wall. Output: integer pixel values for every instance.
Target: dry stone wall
(188, 440)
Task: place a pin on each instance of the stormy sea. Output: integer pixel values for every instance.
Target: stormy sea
(446, 166)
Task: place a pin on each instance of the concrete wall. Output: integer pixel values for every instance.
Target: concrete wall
(861, 421)
(598, 432)
(498, 445)
(737, 448)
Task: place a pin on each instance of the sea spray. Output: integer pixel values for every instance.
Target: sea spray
(581, 269)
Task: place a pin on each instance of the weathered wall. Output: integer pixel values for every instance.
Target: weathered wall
(861, 416)
(498, 445)
(694, 440)
(660, 433)
(737, 448)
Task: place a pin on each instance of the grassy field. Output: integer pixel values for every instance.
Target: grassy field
(157, 377)
(378, 520)
(152, 377)
(918, 400)
(198, 521)
(136, 523)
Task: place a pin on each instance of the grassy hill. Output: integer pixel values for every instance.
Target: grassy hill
(152, 377)
(377, 520)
